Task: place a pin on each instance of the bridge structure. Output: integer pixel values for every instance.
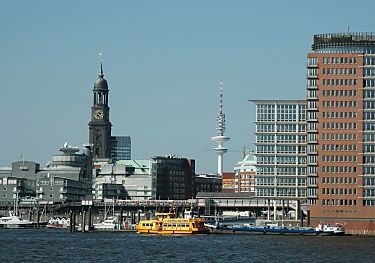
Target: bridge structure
(207, 203)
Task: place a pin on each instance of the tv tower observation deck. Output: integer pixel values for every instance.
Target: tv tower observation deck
(220, 138)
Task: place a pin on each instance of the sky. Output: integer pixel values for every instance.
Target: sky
(163, 61)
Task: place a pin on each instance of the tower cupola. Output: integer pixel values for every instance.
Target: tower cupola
(101, 82)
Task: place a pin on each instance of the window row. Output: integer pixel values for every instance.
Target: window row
(280, 170)
(369, 126)
(265, 191)
(336, 114)
(369, 137)
(339, 82)
(290, 149)
(291, 170)
(312, 72)
(312, 61)
(368, 170)
(369, 181)
(368, 192)
(339, 169)
(291, 128)
(339, 191)
(369, 61)
(344, 93)
(369, 148)
(339, 202)
(290, 138)
(368, 105)
(368, 72)
(339, 180)
(368, 83)
(340, 147)
(281, 160)
(340, 136)
(339, 158)
(265, 128)
(339, 104)
(368, 202)
(281, 139)
(344, 60)
(311, 83)
(369, 115)
(339, 71)
(291, 181)
(290, 192)
(280, 149)
(339, 125)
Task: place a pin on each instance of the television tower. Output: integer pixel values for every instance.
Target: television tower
(220, 138)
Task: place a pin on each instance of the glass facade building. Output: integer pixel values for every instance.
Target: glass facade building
(281, 149)
(120, 148)
(172, 177)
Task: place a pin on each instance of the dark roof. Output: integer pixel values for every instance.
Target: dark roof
(101, 84)
(224, 195)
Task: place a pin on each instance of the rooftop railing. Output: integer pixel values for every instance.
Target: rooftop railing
(343, 39)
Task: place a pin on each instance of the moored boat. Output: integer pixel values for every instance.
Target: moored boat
(251, 229)
(332, 230)
(57, 222)
(168, 224)
(322, 229)
(14, 221)
(111, 223)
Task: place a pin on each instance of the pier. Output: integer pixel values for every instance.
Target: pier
(85, 213)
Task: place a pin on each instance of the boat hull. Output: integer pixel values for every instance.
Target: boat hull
(260, 230)
(172, 232)
(23, 226)
(268, 230)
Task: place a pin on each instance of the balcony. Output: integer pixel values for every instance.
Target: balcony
(312, 64)
(311, 75)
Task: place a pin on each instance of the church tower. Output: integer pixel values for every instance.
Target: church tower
(100, 126)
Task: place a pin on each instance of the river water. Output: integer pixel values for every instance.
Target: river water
(48, 245)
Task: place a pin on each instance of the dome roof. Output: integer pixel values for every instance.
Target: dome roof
(101, 84)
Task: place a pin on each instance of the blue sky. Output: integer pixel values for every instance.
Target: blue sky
(163, 61)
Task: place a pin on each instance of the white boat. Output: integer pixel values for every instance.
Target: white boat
(327, 229)
(111, 223)
(58, 222)
(14, 221)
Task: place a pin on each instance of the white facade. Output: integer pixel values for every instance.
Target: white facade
(281, 148)
(244, 177)
(134, 175)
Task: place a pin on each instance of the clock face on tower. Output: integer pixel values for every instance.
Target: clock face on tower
(98, 114)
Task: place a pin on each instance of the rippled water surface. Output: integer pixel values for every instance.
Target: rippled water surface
(61, 246)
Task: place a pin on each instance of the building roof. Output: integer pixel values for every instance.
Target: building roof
(278, 101)
(249, 161)
(140, 166)
(224, 195)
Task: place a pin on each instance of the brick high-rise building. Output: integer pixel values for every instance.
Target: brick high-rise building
(341, 130)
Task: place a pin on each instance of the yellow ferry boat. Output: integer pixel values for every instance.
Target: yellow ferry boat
(168, 224)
